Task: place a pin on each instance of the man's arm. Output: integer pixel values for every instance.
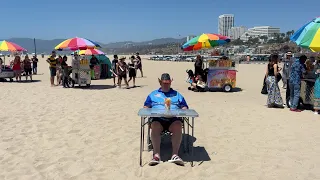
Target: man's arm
(148, 102)
(183, 103)
(303, 69)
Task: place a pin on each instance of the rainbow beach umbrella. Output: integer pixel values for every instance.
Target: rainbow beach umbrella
(308, 36)
(76, 44)
(205, 41)
(90, 52)
(9, 46)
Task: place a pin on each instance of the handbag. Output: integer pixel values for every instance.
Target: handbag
(264, 87)
(279, 77)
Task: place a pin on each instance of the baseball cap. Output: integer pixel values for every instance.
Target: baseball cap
(165, 77)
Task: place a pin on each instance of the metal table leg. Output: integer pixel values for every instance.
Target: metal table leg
(148, 138)
(192, 155)
(188, 136)
(184, 135)
(141, 140)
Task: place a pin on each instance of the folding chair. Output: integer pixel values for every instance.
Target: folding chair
(185, 139)
(186, 125)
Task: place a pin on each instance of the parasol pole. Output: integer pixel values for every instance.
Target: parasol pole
(35, 46)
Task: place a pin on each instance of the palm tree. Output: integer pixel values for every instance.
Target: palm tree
(288, 33)
(247, 36)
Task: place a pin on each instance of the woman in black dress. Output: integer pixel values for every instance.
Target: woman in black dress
(198, 66)
(132, 71)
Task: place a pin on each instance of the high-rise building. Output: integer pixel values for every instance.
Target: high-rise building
(236, 32)
(226, 22)
(259, 31)
(190, 37)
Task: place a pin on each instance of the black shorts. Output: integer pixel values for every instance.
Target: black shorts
(166, 122)
(122, 76)
(53, 71)
(28, 71)
(132, 73)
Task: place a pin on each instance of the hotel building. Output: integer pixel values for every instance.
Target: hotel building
(226, 22)
(236, 32)
(259, 31)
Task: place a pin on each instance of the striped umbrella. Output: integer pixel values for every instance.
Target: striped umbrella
(205, 41)
(9, 46)
(76, 44)
(90, 52)
(308, 36)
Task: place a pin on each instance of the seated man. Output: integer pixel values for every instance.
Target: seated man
(156, 100)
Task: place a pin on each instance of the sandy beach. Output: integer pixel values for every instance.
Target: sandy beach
(93, 134)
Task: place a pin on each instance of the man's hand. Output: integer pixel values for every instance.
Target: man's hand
(184, 108)
(146, 107)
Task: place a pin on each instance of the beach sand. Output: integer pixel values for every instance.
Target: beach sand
(56, 133)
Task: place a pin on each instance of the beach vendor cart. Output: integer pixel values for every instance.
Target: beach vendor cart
(307, 92)
(5, 71)
(81, 72)
(221, 74)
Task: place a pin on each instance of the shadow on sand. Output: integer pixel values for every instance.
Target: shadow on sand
(94, 87)
(22, 81)
(200, 154)
(234, 90)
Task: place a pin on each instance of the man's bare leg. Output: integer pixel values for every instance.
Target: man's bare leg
(156, 130)
(176, 130)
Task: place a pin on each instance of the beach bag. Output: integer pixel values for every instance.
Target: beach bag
(279, 77)
(264, 87)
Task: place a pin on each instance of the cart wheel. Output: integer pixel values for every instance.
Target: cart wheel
(11, 80)
(72, 83)
(288, 102)
(227, 88)
(88, 85)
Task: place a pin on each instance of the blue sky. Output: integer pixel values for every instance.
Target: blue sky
(139, 20)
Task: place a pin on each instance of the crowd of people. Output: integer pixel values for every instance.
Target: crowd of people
(293, 71)
(25, 67)
(120, 69)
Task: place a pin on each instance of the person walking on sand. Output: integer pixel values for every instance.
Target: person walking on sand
(297, 71)
(274, 96)
(17, 68)
(132, 71)
(316, 105)
(52, 66)
(287, 62)
(139, 64)
(114, 69)
(122, 69)
(35, 64)
(27, 67)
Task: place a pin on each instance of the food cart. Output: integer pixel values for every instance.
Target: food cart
(81, 72)
(307, 92)
(5, 72)
(221, 74)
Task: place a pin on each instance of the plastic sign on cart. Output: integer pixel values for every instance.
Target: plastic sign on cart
(217, 78)
(220, 63)
(221, 73)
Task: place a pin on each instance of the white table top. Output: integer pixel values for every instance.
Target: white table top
(149, 112)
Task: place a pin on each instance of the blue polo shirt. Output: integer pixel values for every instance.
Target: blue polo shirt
(156, 99)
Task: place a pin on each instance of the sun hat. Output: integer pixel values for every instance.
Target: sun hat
(122, 57)
(289, 53)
